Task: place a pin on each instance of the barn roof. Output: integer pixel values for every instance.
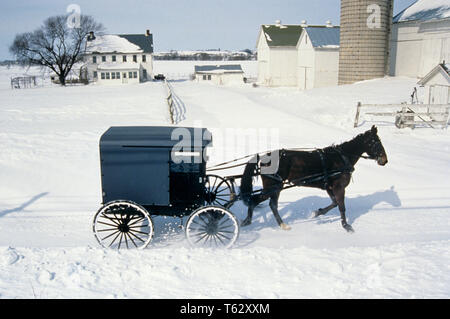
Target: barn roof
(120, 43)
(323, 36)
(225, 68)
(425, 10)
(278, 35)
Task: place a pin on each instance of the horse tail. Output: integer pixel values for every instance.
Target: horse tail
(246, 188)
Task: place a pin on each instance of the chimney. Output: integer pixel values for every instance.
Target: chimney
(91, 36)
(329, 24)
(147, 32)
(278, 23)
(304, 23)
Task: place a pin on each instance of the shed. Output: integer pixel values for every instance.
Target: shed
(219, 74)
(437, 85)
(152, 165)
(318, 57)
(277, 54)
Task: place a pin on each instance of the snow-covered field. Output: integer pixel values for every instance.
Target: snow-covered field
(50, 191)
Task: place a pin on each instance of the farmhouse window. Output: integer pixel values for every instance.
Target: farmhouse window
(95, 74)
(107, 75)
(124, 75)
(103, 75)
(94, 59)
(130, 75)
(114, 58)
(144, 74)
(135, 75)
(118, 75)
(144, 58)
(209, 76)
(124, 58)
(113, 75)
(104, 58)
(134, 58)
(204, 76)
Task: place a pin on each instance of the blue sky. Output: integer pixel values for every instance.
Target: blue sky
(176, 24)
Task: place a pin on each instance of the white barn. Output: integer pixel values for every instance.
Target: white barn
(437, 85)
(219, 74)
(420, 38)
(119, 59)
(318, 57)
(277, 54)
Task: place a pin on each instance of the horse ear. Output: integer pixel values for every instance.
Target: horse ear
(374, 129)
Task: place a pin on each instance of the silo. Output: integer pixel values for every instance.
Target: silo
(364, 39)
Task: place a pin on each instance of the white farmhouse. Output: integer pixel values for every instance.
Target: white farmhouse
(219, 74)
(420, 38)
(318, 57)
(437, 85)
(277, 54)
(118, 59)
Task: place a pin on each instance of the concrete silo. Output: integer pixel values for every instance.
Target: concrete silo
(364, 39)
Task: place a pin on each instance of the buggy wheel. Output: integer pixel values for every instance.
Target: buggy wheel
(219, 191)
(123, 224)
(212, 226)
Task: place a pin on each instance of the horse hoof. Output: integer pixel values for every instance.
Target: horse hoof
(285, 227)
(245, 223)
(349, 228)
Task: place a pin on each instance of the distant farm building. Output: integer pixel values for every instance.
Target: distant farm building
(370, 44)
(420, 38)
(318, 57)
(277, 54)
(219, 74)
(118, 59)
(437, 84)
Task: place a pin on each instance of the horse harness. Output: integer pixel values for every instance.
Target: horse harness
(325, 176)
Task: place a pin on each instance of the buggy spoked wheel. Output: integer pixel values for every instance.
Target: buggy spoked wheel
(123, 224)
(212, 227)
(219, 191)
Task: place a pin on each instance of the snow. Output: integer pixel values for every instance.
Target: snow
(267, 37)
(50, 191)
(111, 43)
(431, 9)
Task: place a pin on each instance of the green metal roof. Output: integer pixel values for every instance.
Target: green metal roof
(281, 35)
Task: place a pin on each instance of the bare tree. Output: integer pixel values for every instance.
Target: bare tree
(56, 44)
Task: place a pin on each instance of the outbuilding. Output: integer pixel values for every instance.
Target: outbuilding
(219, 74)
(437, 85)
(318, 57)
(277, 54)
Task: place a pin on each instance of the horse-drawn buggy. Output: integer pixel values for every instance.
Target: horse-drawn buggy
(149, 171)
(162, 171)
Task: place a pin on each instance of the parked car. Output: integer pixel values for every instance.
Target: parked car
(159, 77)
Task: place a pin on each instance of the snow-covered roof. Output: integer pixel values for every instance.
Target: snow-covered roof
(323, 36)
(444, 69)
(118, 66)
(120, 43)
(226, 68)
(424, 10)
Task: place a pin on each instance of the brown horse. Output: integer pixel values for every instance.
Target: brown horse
(329, 169)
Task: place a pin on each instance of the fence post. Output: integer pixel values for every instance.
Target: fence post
(358, 107)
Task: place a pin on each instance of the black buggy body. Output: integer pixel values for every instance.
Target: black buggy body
(158, 170)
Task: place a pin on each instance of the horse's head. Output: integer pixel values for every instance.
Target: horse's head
(373, 146)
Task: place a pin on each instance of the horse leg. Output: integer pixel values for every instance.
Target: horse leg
(248, 220)
(323, 211)
(339, 193)
(274, 207)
